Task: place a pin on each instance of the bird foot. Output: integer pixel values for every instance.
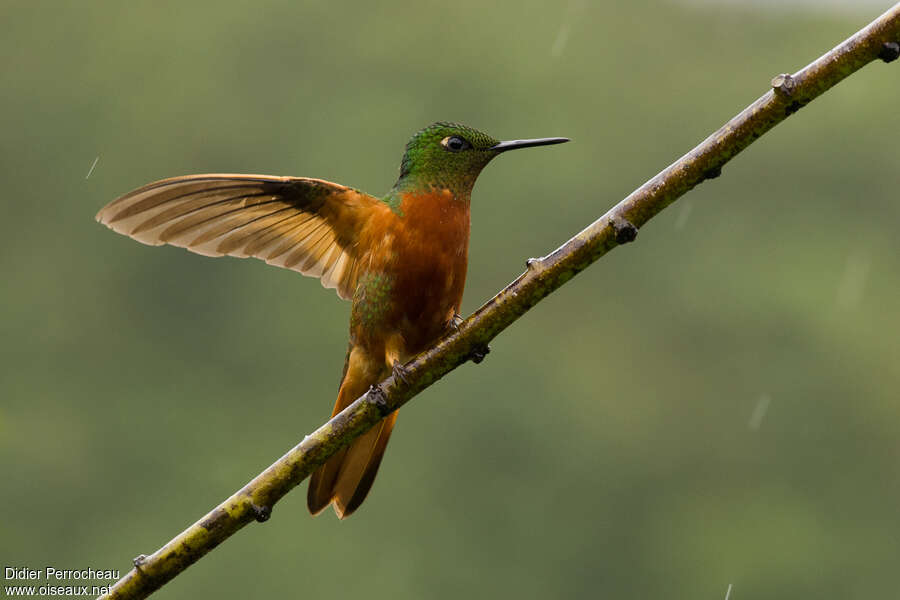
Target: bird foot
(455, 321)
(376, 394)
(479, 352)
(400, 372)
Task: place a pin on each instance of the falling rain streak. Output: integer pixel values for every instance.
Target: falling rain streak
(856, 273)
(683, 214)
(96, 160)
(562, 37)
(759, 412)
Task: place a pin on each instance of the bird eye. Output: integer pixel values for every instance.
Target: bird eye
(455, 143)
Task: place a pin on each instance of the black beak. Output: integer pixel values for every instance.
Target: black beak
(515, 144)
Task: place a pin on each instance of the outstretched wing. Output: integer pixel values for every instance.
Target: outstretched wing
(308, 225)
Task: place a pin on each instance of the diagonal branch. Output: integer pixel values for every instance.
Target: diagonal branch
(789, 93)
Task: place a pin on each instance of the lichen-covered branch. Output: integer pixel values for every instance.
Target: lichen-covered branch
(789, 93)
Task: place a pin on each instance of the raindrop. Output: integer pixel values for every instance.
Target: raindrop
(96, 160)
(759, 413)
(850, 290)
(683, 215)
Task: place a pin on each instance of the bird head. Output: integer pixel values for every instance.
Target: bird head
(450, 156)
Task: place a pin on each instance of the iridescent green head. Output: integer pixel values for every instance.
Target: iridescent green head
(449, 155)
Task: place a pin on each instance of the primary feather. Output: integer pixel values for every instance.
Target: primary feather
(307, 225)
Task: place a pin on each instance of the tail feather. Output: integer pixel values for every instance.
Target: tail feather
(359, 467)
(345, 479)
(321, 484)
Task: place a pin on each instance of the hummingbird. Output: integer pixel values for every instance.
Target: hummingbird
(401, 260)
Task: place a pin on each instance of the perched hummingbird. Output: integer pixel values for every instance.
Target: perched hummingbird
(400, 259)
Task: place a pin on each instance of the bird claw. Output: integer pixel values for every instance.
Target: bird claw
(400, 372)
(479, 352)
(376, 394)
(455, 321)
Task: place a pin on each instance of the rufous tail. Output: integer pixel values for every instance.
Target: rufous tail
(345, 479)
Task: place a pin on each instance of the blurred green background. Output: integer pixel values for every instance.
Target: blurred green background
(716, 404)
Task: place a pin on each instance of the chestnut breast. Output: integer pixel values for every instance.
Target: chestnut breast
(415, 271)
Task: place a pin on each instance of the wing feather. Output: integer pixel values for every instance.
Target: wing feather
(308, 225)
(238, 242)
